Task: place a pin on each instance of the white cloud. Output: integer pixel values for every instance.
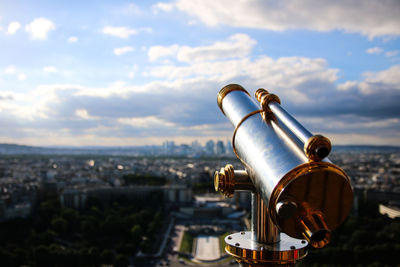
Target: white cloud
(156, 52)
(145, 122)
(122, 50)
(39, 28)
(291, 76)
(374, 82)
(72, 39)
(21, 77)
(84, 114)
(374, 50)
(166, 7)
(10, 70)
(13, 27)
(237, 46)
(183, 96)
(121, 32)
(392, 53)
(49, 69)
(368, 17)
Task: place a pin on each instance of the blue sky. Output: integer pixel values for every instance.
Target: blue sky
(133, 73)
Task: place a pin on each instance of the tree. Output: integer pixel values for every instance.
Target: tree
(121, 261)
(59, 225)
(107, 257)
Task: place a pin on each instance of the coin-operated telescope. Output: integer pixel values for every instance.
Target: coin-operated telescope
(298, 195)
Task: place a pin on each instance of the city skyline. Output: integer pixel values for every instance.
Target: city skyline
(128, 73)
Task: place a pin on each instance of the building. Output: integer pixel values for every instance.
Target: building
(76, 197)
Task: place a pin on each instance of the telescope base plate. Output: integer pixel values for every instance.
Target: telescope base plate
(252, 253)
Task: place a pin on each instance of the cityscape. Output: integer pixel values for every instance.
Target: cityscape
(195, 218)
(117, 147)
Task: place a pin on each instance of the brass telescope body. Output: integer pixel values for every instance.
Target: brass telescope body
(298, 196)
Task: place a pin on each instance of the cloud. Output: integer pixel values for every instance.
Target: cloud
(72, 39)
(237, 46)
(392, 53)
(21, 77)
(121, 32)
(39, 28)
(82, 113)
(376, 82)
(49, 69)
(179, 102)
(10, 70)
(185, 106)
(165, 7)
(146, 122)
(13, 27)
(367, 17)
(6, 96)
(122, 50)
(374, 50)
(156, 52)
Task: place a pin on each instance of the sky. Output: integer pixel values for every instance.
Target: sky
(126, 73)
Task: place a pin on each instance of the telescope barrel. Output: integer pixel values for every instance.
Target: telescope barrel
(291, 123)
(306, 198)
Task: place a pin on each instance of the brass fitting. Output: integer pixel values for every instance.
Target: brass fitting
(317, 147)
(226, 90)
(264, 97)
(227, 181)
(260, 93)
(315, 229)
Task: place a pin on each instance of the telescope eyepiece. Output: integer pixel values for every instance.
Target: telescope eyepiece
(317, 147)
(322, 151)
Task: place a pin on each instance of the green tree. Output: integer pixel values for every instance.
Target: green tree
(59, 225)
(121, 261)
(107, 257)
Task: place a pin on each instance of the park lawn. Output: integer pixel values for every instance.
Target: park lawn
(187, 243)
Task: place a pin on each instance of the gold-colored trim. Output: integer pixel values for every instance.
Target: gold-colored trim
(263, 254)
(224, 181)
(226, 90)
(237, 127)
(268, 99)
(317, 143)
(260, 93)
(228, 180)
(281, 190)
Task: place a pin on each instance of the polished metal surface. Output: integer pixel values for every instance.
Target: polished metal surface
(267, 152)
(262, 228)
(228, 180)
(317, 147)
(286, 209)
(323, 194)
(246, 250)
(226, 90)
(236, 105)
(291, 123)
(282, 173)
